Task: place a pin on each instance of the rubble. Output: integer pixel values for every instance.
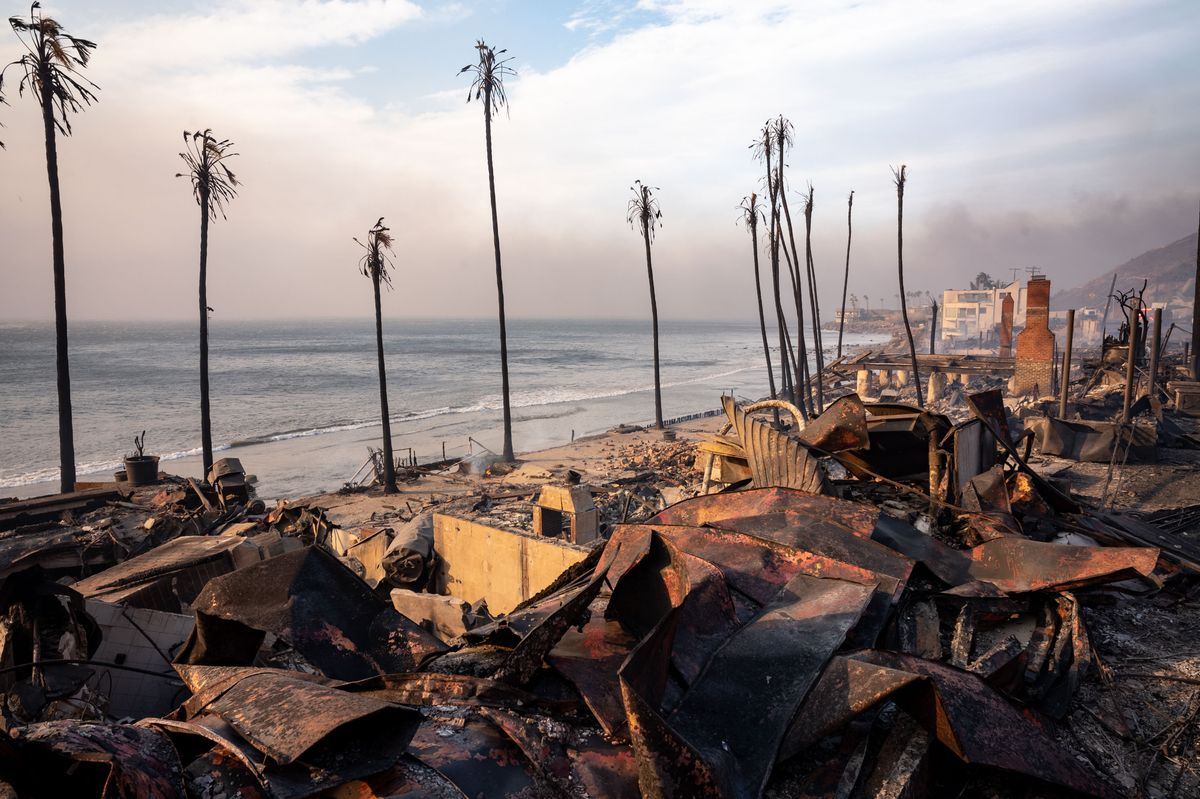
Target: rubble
(886, 601)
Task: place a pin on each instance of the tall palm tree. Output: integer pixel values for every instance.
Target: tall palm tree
(487, 85)
(846, 280)
(644, 215)
(900, 178)
(213, 186)
(814, 299)
(49, 69)
(781, 132)
(377, 265)
(763, 148)
(750, 217)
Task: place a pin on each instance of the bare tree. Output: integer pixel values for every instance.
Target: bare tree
(49, 70)
(846, 280)
(377, 265)
(487, 85)
(644, 215)
(900, 178)
(213, 186)
(750, 217)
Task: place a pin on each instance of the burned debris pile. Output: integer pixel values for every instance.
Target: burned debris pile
(882, 602)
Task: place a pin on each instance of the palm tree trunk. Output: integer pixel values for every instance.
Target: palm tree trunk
(66, 431)
(815, 301)
(762, 319)
(798, 295)
(389, 461)
(800, 359)
(912, 347)
(205, 412)
(487, 127)
(658, 417)
(789, 389)
(846, 280)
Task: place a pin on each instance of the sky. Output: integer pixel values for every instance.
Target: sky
(1057, 135)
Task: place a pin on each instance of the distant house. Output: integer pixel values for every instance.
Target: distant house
(967, 313)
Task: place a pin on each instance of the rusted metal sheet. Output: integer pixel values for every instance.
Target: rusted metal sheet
(312, 601)
(670, 579)
(667, 764)
(715, 508)
(762, 672)
(526, 658)
(474, 755)
(137, 762)
(775, 458)
(568, 758)
(842, 426)
(988, 407)
(283, 717)
(1018, 565)
(1095, 441)
(846, 689)
(979, 726)
(590, 659)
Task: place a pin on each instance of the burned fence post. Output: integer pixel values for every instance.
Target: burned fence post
(1155, 351)
(1130, 371)
(1065, 378)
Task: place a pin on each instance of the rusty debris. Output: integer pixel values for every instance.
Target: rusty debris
(883, 601)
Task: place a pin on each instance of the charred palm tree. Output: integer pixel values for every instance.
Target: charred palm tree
(49, 69)
(377, 265)
(781, 133)
(643, 214)
(846, 279)
(814, 300)
(750, 217)
(213, 186)
(763, 149)
(900, 178)
(487, 85)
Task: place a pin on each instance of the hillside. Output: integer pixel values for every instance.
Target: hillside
(1170, 270)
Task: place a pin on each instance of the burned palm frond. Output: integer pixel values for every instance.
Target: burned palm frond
(50, 67)
(487, 83)
(643, 213)
(213, 182)
(376, 263)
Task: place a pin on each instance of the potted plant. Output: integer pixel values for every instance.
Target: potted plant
(141, 469)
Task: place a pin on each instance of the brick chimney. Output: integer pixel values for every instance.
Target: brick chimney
(1035, 344)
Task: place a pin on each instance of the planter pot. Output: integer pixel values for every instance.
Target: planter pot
(142, 471)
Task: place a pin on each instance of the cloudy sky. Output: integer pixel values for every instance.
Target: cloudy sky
(1061, 135)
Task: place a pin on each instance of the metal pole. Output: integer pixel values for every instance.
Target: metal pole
(1130, 371)
(1065, 377)
(1155, 343)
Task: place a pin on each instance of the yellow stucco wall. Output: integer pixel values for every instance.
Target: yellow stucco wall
(503, 567)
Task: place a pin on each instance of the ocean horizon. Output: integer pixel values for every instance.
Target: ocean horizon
(298, 400)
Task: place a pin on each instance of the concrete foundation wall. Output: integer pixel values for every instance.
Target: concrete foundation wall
(501, 566)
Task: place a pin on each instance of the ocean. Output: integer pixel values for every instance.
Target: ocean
(298, 401)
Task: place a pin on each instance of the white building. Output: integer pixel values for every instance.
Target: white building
(967, 313)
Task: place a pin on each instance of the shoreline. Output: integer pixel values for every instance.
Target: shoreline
(317, 463)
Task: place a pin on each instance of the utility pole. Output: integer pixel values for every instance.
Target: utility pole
(1195, 354)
